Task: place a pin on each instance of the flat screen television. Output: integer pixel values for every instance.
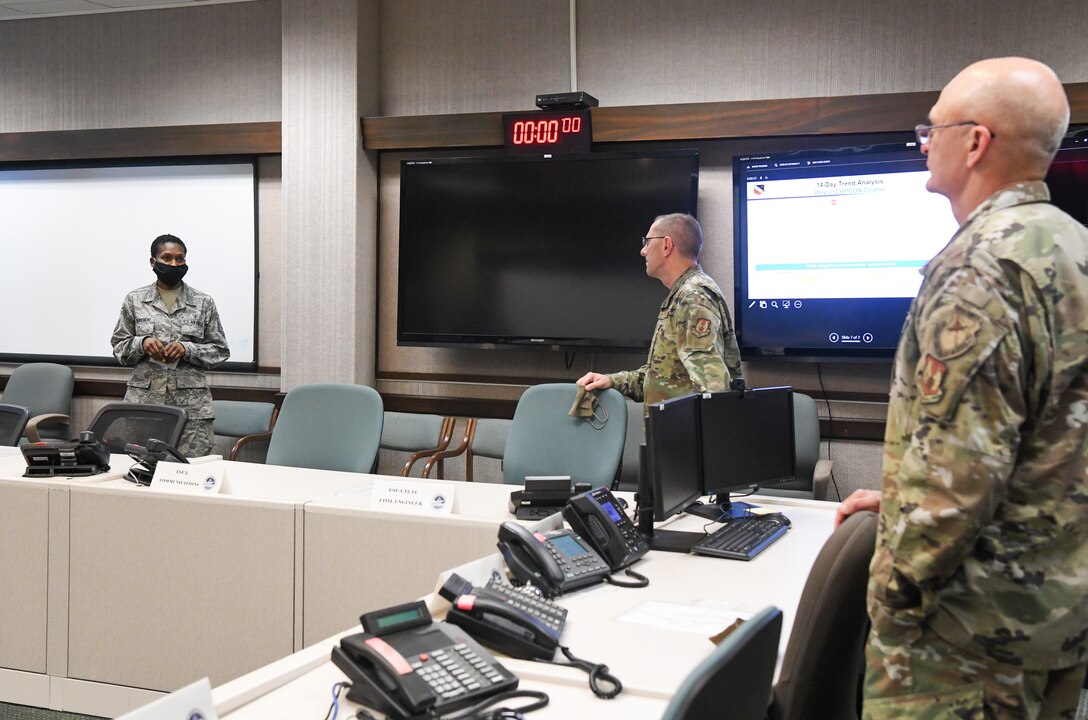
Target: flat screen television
(828, 244)
(535, 251)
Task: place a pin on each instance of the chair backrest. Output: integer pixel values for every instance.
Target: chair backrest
(545, 440)
(12, 421)
(328, 426)
(735, 680)
(42, 388)
(420, 434)
(823, 661)
(118, 424)
(248, 421)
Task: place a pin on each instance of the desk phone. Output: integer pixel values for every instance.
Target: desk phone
(409, 667)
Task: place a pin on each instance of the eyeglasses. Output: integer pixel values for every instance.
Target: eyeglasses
(922, 132)
(646, 239)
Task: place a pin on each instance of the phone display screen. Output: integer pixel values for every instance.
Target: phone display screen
(612, 511)
(567, 545)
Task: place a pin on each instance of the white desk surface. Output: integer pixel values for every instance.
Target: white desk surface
(12, 466)
(651, 661)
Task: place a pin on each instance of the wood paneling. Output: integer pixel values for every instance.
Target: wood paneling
(690, 121)
(255, 138)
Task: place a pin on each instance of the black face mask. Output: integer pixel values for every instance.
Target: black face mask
(170, 275)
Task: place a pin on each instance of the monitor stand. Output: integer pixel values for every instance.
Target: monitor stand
(665, 540)
(720, 508)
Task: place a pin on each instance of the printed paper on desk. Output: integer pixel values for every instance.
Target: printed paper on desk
(412, 497)
(185, 478)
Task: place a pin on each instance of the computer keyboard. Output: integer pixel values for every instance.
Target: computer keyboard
(743, 538)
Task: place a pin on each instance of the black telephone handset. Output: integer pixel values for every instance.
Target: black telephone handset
(505, 618)
(148, 458)
(408, 667)
(596, 516)
(556, 561)
(73, 458)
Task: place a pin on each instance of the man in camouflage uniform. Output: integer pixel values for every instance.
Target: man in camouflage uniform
(694, 348)
(978, 589)
(171, 332)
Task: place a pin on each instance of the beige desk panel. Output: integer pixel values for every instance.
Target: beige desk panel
(357, 561)
(166, 589)
(24, 545)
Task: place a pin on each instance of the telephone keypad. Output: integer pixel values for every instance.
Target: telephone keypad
(455, 670)
(553, 615)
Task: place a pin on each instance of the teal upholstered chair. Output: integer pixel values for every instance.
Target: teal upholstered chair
(328, 426)
(483, 437)
(545, 440)
(419, 434)
(45, 389)
(245, 420)
(12, 421)
(735, 680)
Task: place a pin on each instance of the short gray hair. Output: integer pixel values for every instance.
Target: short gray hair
(685, 232)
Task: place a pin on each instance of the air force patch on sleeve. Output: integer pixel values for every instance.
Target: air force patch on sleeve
(931, 379)
(956, 332)
(701, 327)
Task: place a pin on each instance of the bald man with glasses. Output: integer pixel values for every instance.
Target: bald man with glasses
(978, 589)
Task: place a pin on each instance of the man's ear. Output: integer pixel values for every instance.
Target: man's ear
(667, 245)
(978, 139)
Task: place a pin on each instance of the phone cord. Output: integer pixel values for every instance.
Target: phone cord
(479, 711)
(641, 581)
(597, 671)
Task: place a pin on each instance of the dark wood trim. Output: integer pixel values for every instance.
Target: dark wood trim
(852, 429)
(455, 406)
(254, 138)
(887, 112)
(116, 389)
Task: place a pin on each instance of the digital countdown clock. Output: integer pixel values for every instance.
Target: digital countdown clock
(566, 131)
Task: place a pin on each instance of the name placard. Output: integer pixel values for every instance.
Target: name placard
(412, 497)
(184, 478)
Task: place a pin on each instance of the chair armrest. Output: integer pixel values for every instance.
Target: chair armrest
(444, 437)
(31, 430)
(820, 478)
(245, 440)
(438, 457)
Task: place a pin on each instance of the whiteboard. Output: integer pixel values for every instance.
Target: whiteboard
(75, 240)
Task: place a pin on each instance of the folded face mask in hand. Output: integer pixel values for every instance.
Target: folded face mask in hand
(588, 407)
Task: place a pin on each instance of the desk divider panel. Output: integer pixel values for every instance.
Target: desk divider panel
(166, 589)
(24, 542)
(361, 560)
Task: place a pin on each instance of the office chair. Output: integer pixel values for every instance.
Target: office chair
(45, 389)
(118, 424)
(13, 420)
(823, 664)
(248, 421)
(420, 434)
(484, 437)
(735, 680)
(328, 426)
(813, 473)
(545, 440)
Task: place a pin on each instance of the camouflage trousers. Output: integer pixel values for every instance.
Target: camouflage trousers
(197, 438)
(932, 680)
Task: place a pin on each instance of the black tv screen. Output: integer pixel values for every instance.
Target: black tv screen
(535, 251)
(829, 244)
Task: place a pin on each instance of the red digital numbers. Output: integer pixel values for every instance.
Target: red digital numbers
(544, 132)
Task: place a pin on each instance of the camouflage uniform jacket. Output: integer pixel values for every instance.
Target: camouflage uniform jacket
(983, 529)
(195, 323)
(694, 348)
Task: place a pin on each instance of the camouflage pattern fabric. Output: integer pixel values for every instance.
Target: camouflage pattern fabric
(694, 348)
(194, 322)
(983, 533)
(928, 679)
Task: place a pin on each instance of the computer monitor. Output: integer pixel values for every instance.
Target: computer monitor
(747, 442)
(670, 471)
(712, 444)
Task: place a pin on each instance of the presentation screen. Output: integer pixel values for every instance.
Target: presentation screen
(76, 239)
(829, 244)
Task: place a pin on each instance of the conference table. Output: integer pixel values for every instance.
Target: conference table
(650, 638)
(115, 594)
